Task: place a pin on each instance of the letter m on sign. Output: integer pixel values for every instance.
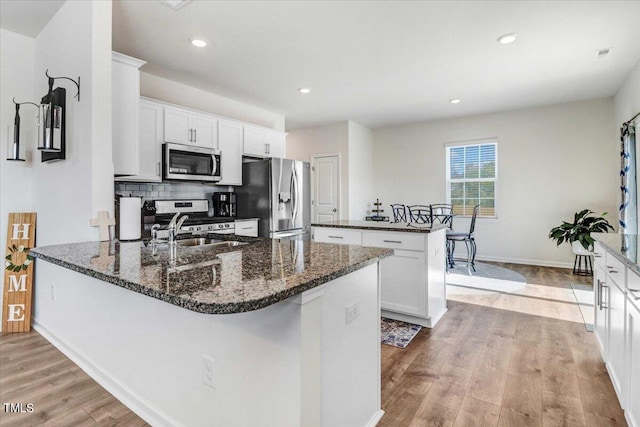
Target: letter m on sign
(18, 273)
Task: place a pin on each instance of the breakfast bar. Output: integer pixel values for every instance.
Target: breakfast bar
(261, 333)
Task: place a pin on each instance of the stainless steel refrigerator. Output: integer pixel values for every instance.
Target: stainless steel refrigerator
(278, 193)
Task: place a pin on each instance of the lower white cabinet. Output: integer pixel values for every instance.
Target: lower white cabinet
(247, 227)
(617, 327)
(601, 317)
(400, 279)
(412, 280)
(616, 332)
(633, 364)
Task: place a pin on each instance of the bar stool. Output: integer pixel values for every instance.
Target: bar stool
(468, 239)
(420, 214)
(399, 212)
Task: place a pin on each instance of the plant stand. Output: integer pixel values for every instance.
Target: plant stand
(582, 265)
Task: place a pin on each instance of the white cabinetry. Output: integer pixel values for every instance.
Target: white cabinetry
(125, 96)
(230, 145)
(150, 142)
(412, 281)
(246, 227)
(616, 334)
(633, 361)
(186, 127)
(263, 143)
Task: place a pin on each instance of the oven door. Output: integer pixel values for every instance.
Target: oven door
(188, 163)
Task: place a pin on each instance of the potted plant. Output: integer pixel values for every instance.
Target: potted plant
(579, 232)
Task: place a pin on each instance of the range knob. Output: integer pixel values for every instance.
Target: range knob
(226, 226)
(198, 228)
(210, 227)
(220, 225)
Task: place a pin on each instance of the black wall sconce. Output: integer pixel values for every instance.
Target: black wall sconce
(13, 143)
(51, 132)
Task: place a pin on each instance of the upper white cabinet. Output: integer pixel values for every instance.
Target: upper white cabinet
(230, 145)
(260, 142)
(125, 97)
(186, 127)
(150, 142)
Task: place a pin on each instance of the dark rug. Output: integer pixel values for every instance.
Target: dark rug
(397, 333)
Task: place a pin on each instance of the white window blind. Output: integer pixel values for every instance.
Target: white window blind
(472, 171)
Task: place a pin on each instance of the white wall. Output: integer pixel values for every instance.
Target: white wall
(553, 161)
(361, 190)
(626, 104)
(177, 93)
(329, 139)
(68, 193)
(16, 80)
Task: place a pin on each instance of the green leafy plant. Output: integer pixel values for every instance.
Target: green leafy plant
(584, 223)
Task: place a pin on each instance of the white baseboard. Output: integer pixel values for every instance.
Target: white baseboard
(376, 418)
(541, 263)
(120, 392)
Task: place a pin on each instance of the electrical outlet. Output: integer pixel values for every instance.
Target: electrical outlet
(351, 312)
(53, 292)
(208, 371)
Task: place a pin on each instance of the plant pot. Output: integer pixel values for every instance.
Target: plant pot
(578, 249)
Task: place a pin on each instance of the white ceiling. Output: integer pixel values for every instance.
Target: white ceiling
(379, 63)
(27, 17)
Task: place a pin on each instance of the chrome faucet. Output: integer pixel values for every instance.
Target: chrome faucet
(154, 233)
(175, 225)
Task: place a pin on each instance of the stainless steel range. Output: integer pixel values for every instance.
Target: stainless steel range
(199, 222)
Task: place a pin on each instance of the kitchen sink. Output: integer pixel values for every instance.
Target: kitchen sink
(205, 241)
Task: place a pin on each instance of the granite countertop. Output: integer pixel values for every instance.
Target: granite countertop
(622, 246)
(383, 226)
(214, 280)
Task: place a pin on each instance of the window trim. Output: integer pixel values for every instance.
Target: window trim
(478, 142)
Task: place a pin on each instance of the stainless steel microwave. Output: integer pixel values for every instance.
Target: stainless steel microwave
(190, 163)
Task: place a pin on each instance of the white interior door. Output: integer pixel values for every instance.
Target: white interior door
(326, 188)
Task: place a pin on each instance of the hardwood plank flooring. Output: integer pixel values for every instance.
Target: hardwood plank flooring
(491, 361)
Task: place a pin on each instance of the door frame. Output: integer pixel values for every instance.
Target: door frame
(312, 159)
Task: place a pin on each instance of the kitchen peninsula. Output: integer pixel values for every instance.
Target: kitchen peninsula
(412, 281)
(267, 333)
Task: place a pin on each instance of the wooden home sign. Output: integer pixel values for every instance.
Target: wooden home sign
(18, 273)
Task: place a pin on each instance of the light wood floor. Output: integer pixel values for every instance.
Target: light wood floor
(481, 366)
(488, 366)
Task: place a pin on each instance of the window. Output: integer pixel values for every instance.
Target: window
(472, 170)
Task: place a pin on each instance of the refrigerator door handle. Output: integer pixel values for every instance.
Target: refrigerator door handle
(294, 193)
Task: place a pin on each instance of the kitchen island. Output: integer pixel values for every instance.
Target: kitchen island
(268, 333)
(412, 281)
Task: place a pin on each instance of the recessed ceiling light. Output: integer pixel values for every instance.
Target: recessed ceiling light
(454, 101)
(304, 90)
(198, 42)
(507, 38)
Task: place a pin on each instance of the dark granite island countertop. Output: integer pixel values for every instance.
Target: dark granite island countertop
(214, 280)
(622, 246)
(382, 226)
